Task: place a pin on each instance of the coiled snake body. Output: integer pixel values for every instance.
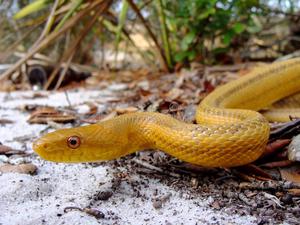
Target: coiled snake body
(229, 132)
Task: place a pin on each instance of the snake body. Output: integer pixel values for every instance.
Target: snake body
(229, 132)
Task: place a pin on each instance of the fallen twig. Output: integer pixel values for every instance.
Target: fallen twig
(269, 185)
(273, 147)
(157, 169)
(90, 211)
(288, 129)
(282, 163)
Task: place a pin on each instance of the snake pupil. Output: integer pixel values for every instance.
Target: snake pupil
(73, 142)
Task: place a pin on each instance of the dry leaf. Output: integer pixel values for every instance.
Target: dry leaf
(45, 114)
(275, 164)
(93, 109)
(5, 121)
(4, 149)
(174, 93)
(121, 111)
(56, 118)
(21, 168)
(275, 146)
(291, 173)
(109, 116)
(144, 92)
(294, 192)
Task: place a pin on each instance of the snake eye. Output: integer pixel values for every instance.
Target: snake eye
(73, 142)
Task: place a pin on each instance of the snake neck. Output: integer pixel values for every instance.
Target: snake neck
(227, 144)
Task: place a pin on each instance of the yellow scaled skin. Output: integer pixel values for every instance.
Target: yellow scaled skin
(229, 133)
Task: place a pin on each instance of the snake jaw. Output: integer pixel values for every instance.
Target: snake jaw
(97, 143)
(44, 148)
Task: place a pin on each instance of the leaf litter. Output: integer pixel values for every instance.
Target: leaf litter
(148, 187)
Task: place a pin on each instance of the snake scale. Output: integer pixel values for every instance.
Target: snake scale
(229, 130)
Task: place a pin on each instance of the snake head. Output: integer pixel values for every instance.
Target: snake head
(90, 143)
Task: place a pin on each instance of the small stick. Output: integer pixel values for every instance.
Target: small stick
(274, 147)
(68, 99)
(269, 185)
(282, 163)
(285, 129)
(90, 211)
(151, 167)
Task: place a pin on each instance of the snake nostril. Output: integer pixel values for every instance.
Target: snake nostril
(45, 146)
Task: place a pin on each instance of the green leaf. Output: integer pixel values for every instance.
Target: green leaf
(31, 8)
(180, 56)
(206, 13)
(121, 24)
(254, 25)
(220, 50)
(75, 5)
(191, 55)
(187, 40)
(239, 28)
(228, 37)
(109, 26)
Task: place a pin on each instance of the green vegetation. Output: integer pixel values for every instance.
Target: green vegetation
(178, 32)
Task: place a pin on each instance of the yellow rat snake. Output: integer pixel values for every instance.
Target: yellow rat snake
(229, 132)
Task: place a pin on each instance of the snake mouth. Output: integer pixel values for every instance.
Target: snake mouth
(37, 146)
(42, 149)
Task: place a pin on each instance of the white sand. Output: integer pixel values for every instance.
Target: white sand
(40, 199)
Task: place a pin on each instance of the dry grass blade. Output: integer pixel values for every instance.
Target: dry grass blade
(10, 49)
(63, 74)
(50, 21)
(69, 54)
(31, 8)
(111, 24)
(69, 24)
(121, 23)
(164, 32)
(74, 7)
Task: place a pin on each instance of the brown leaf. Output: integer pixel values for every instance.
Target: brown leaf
(174, 93)
(275, 146)
(45, 114)
(4, 149)
(5, 121)
(93, 109)
(109, 116)
(169, 106)
(294, 192)
(126, 110)
(56, 118)
(282, 163)
(255, 171)
(291, 173)
(21, 168)
(144, 93)
(208, 86)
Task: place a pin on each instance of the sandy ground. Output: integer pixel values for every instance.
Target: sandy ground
(136, 199)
